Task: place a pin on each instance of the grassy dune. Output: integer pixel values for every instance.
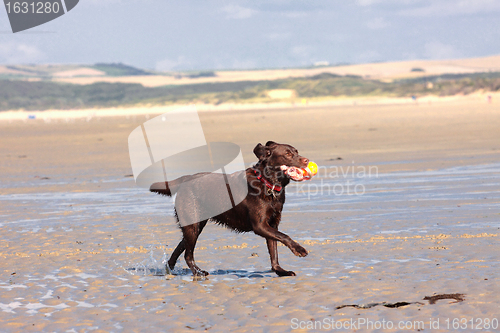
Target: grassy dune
(25, 95)
(42, 87)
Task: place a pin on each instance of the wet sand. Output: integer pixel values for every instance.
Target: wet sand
(82, 246)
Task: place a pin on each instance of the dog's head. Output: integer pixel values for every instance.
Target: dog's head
(274, 155)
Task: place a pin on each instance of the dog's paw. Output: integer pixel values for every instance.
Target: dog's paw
(299, 251)
(170, 266)
(200, 272)
(281, 272)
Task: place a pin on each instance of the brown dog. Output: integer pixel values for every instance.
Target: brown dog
(260, 210)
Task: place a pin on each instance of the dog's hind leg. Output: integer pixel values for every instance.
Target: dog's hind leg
(175, 255)
(191, 233)
(177, 252)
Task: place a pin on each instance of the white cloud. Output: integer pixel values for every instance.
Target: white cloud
(170, 65)
(295, 14)
(423, 8)
(19, 53)
(304, 55)
(368, 56)
(337, 37)
(409, 56)
(279, 35)
(103, 2)
(377, 23)
(244, 64)
(301, 51)
(438, 50)
(238, 12)
(366, 3)
(449, 7)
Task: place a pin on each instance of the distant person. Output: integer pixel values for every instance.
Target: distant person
(489, 99)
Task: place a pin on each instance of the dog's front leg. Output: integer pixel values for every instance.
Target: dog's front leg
(272, 246)
(262, 228)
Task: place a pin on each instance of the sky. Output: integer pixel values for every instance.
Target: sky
(212, 35)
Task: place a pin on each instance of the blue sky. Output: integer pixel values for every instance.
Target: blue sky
(197, 35)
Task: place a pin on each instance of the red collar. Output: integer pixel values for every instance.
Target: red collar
(265, 181)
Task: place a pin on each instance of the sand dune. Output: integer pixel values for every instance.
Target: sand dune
(381, 71)
(79, 72)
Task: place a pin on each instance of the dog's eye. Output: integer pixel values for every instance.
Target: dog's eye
(288, 154)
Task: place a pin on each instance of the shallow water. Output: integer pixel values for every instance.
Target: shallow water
(102, 255)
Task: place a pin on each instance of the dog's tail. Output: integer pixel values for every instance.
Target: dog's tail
(161, 188)
(171, 187)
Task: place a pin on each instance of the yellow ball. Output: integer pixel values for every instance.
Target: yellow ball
(313, 168)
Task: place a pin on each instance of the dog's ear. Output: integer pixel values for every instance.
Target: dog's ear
(260, 151)
(270, 143)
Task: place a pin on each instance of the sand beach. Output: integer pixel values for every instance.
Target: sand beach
(406, 207)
